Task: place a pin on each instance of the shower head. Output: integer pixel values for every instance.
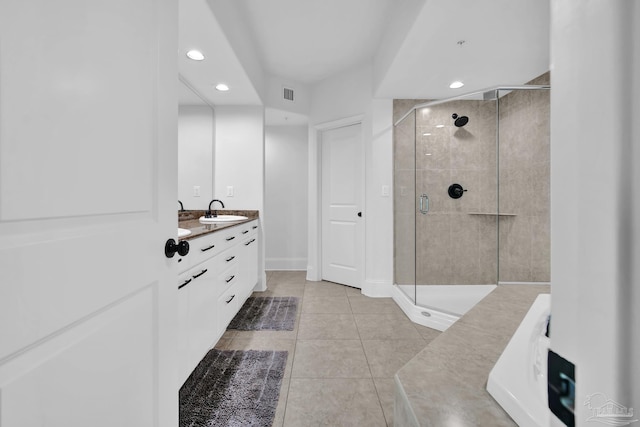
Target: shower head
(459, 120)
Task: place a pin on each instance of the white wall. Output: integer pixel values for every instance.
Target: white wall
(405, 15)
(195, 155)
(239, 162)
(285, 224)
(379, 208)
(595, 197)
(343, 96)
(239, 156)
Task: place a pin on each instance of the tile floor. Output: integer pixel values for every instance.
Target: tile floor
(343, 353)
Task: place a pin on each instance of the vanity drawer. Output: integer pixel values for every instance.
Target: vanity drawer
(248, 229)
(184, 367)
(228, 258)
(184, 279)
(228, 278)
(210, 245)
(229, 303)
(184, 262)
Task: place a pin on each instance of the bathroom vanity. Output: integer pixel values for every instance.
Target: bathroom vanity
(214, 280)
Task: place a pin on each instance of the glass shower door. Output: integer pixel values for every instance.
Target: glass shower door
(404, 200)
(456, 168)
(471, 194)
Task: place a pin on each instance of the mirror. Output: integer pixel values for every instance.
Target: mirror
(195, 149)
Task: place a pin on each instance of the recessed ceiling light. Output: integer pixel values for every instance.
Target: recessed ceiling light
(439, 126)
(426, 134)
(196, 55)
(456, 85)
(222, 87)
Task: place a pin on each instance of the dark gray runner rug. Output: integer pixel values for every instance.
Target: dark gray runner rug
(233, 388)
(266, 313)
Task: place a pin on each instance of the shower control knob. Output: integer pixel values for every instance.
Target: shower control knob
(456, 191)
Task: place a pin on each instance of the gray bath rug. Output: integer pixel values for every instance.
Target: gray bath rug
(233, 388)
(266, 313)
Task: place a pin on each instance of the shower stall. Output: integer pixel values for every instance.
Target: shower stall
(471, 198)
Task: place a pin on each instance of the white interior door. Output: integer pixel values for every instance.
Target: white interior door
(342, 242)
(88, 178)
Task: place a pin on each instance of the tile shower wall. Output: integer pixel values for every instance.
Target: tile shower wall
(457, 241)
(525, 254)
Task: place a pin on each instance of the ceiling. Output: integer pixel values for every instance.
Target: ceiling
(416, 47)
(481, 43)
(310, 40)
(199, 29)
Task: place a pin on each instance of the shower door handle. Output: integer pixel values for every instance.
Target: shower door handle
(424, 204)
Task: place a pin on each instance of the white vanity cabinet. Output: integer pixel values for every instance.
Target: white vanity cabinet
(220, 274)
(250, 258)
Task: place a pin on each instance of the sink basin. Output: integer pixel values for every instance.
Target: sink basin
(183, 232)
(222, 218)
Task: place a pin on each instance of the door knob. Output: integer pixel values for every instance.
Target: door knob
(171, 247)
(359, 214)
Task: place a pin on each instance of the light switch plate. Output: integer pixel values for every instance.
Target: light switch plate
(229, 190)
(196, 191)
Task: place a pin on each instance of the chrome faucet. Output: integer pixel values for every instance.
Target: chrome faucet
(209, 214)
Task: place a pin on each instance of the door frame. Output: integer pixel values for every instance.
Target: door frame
(314, 253)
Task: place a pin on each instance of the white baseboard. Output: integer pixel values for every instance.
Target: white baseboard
(312, 274)
(377, 288)
(295, 264)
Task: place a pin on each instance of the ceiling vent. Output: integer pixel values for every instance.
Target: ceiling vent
(287, 94)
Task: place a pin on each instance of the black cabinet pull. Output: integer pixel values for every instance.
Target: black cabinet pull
(250, 242)
(230, 258)
(207, 248)
(229, 279)
(254, 227)
(231, 299)
(245, 231)
(200, 274)
(186, 282)
(230, 238)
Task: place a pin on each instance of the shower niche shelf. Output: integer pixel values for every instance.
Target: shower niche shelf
(492, 213)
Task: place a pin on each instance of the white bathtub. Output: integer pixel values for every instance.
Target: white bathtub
(439, 306)
(518, 381)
